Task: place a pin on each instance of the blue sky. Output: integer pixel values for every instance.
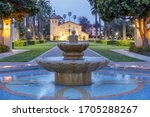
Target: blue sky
(77, 7)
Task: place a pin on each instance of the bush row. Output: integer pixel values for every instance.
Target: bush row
(135, 49)
(27, 42)
(113, 42)
(3, 48)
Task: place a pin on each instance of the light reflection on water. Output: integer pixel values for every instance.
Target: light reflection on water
(40, 84)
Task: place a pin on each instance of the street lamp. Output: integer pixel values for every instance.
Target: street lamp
(6, 26)
(29, 30)
(117, 34)
(133, 25)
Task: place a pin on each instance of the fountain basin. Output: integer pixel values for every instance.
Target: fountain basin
(73, 50)
(72, 72)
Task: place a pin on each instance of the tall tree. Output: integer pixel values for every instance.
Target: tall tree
(69, 14)
(93, 3)
(74, 17)
(64, 16)
(43, 16)
(85, 23)
(137, 10)
(17, 9)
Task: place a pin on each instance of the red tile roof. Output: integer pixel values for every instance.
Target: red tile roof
(56, 17)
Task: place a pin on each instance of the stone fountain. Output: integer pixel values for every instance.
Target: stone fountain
(73, 69)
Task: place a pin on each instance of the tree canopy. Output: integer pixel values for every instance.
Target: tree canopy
(138, 10)
(85, 23)
(111, 9)
(17, 8)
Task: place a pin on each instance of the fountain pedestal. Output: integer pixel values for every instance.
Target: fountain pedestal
(72, 72)
(73, 79)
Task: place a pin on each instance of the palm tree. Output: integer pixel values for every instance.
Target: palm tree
(43, 17)
(69, 14)
(74, 17)
(95, 13)
(64, 16)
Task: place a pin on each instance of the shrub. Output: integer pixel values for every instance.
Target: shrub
(31, 42)
(103, 41)
(20, 43)
(112, 43)
(119, 42)
(37, 41)
(4, 48)
(123, 43)
(42, 41)
(141, 49)
(97, 41)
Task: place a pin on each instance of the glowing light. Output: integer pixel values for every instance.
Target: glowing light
(8, 79)
(133, 25)
(29, 30)
(6, 26)
(117, 33)
(7, 66)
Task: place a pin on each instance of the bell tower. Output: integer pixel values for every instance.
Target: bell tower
(54, 23)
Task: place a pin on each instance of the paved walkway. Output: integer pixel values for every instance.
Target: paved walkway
(13, 52)
(134, 55)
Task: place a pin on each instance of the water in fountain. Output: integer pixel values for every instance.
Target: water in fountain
(73, 68)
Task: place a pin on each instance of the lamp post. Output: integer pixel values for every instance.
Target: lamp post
(29, 30)
(69, 29)
(7, 32)
(117, 33)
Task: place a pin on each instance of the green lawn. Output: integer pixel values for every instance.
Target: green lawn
(105, 50)
(34, 51)
(38, 49)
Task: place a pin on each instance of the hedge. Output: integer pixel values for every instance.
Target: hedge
(135, 49)
(31, 42)
(114, 42)
(20, 43)
(4, 48)
(42, 41)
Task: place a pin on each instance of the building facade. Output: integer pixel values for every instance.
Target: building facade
(60, 30)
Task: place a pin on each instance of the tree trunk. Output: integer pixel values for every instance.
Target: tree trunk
(18, 31)
(145, 41)
(27, 27)
(141, 25)
(124, 29)
(96, 26)
(33, 27)
(100, 28)
(108, 30)
(105, 31)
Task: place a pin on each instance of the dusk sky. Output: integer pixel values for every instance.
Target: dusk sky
(77, 7)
